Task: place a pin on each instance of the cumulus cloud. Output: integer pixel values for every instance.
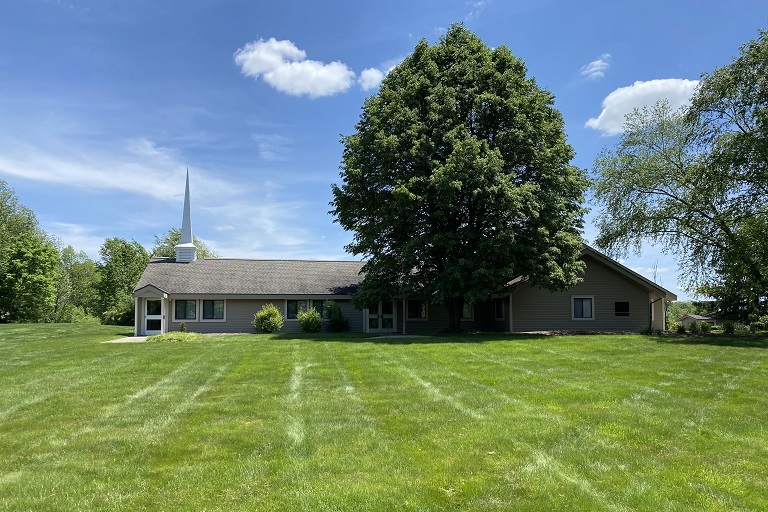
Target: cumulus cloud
(286, 68)
(623, 100)
(370, 78)
(596, 69)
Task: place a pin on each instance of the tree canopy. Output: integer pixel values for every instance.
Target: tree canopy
(120, 268)
(165, 244)
(696, 182)
(457, 179)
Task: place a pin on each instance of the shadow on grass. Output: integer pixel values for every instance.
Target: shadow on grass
(417, 339)
(719, 340)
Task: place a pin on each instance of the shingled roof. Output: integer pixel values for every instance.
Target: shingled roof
(223, 276)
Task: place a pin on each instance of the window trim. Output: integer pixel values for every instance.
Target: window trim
(621, 313)
(306, 301)
(573, 308)
(185, 320)
(416, 319)
(312, 306)
(202, 311)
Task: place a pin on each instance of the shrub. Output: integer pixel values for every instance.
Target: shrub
(183, 327)
(336, 321)
(269, 319)
(646, 331)
(694, 328)
(678, 328)
(79, 316)
(729, 327)
(761, 324)
(310, 321)
(705, 327)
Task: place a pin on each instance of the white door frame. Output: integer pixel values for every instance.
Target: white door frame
(379, 317)
(148, 317)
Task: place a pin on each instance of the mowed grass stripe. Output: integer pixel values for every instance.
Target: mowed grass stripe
(578, 423)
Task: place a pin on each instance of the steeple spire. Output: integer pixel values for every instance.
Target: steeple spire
(186, 250)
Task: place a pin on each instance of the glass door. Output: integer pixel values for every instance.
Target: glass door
(153, 317)
(381, 317)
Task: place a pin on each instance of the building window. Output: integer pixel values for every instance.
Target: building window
(213, 310)
(468, 312)
(293, 307)
(499, 309)
(185, 310)
(417, 309)
(582, 308)
(318, 305)
(621, 308)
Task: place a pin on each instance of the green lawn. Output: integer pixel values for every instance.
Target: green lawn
(345, 422)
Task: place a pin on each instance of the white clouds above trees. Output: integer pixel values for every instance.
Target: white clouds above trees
(370, 78)
(623, 100)
(286, 68)
(597, 68)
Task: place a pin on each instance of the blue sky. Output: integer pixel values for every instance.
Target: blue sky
(105, 104)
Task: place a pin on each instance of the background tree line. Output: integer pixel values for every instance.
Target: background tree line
(41, 280)
(695, 182)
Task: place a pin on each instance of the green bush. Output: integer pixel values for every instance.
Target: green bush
(336, 321)
(79, 316)
(310, 321)
(694, 328)
(761, 324)
(678, 328)
(183, 327)
(705, 327)
(729, 327)
(269, 319)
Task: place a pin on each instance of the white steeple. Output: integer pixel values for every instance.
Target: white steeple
(186, 250)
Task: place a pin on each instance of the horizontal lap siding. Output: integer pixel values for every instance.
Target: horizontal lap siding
(534, 309)
(240, 313)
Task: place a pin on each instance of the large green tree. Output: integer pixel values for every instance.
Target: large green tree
(165, 245)
(458, 179)
(15, 220)
(28, 282)
(120, 268)
(76, 289)
(696, 183)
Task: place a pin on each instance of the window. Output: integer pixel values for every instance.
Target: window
(621, 308)
(582, 308)
(499, 309)
(417, 309)
(213, 310)
(468, 313)
(185, 310)
(318, 305)
(293, 307)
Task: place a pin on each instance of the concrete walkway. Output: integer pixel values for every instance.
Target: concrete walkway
(130, 339)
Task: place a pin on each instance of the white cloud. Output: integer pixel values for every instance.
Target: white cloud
(623, 100)
(284, 66)
(127, 166)
(79, 236)
(596, 69)
(271, 146)
(476, 7)
(370, 78)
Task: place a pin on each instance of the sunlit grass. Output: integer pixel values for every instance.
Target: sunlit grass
(482, 422)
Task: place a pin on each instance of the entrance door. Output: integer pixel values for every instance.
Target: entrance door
(153, 317)
(381, 318)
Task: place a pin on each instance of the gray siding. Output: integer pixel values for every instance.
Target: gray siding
(240, 312)
(534, 309)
